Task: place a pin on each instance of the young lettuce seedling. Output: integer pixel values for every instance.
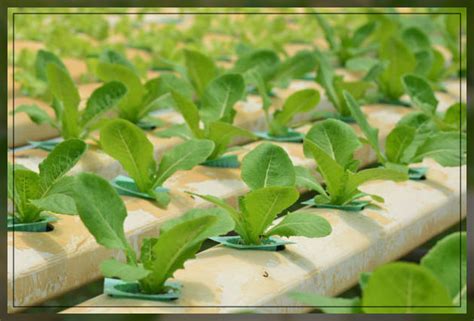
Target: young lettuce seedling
(141, 99)
(424, 100)
(103, 213)
(335, 85)
(35, 193)
(128, 144)
(216, 114)
(269, 173)
(69, 120)
(393, 287)
(332, 144)
(412, 139)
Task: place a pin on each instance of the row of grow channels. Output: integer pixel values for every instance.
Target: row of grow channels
(186, 103)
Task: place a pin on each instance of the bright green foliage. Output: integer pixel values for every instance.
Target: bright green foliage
(141, 98)
(69, 120)
(216, 114)
(424, 100)
(413, 138)
(269, 173)
(335, 85)
(399, 61)
(129, 145)
(344, 43)
(299, 102)
(34, 193)
(200, 70)
(103, 213)
(332, 143)
(436, 285)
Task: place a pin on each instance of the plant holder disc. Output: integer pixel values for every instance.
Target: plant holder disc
(120, 289)
(292, 137)
(307, 76)
(417, 173)
(126, 186)
(354, 206)
(235, 242)
(38, 226)
(46, 145)
(226, 161)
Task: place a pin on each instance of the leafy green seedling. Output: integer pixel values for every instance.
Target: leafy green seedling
(69, 120)
(128, 144)
(424, 100)
(345, 44)
(269, 173)
(34, 193)
(141, 99)
(216, 114)
(411, 141)
(436, 285)
(335, 85)
(332, 144)
(103, 213)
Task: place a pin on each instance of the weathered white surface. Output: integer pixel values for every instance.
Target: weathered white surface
(223, 280)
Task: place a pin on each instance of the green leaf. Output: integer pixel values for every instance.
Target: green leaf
(261, 61)
(401, 61)
(222, 134)
(60, 161)
(43, 58)
(446, 148)
(261, 206)
(36, 114)
(63, 89)
(404, 287)
(27, 186)
(190, 113)
(373, 174)
(131, 104)
(371, 133)
(174, 247)
(220, 97)
(102, 99)
(299, 102)
(336, 138)
(200, 68)
(129, 145)
(306, 179)
(357, 89)
(114, 57)
(416, 39)
(329, 32)
(420, 93)
(56, 203)
(333, 173)
(362, 33)
(114, 269)
(296, 66)
(183, 157)
(319, 302)
(102, 211)
(177, 130)
(447, 260)
(267, 165)
(398, 140)
(325, 77)
(456, 116)
(301, 224)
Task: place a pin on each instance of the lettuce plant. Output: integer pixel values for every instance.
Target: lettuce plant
(129, 145)
(332, 144)
(425, 102)
(69, 120)
(103, 213)
(140, 99)
(34, 193)
(435, 285)
(345, 44)
(334, 86)
(412, 139)
(269, 173)
(215, 114)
